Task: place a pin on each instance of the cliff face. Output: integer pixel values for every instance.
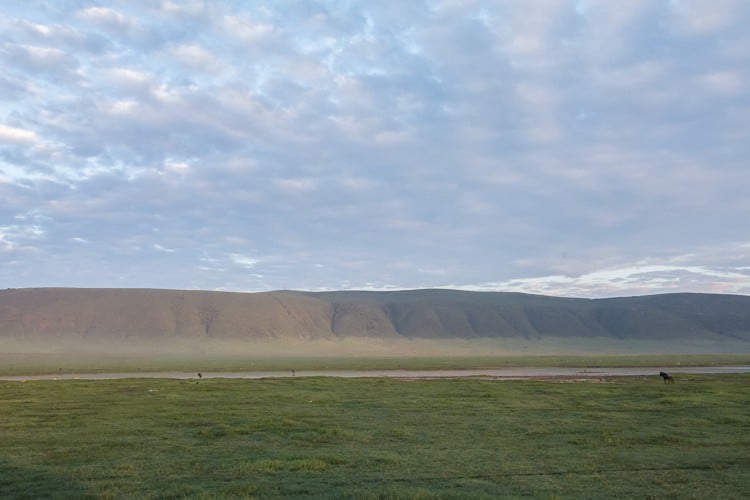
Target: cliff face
(135, 313)
(122, 313)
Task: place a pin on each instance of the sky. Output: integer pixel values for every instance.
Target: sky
(563, 147)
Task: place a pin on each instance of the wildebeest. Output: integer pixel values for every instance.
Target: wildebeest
(200, 375)
(668, 379)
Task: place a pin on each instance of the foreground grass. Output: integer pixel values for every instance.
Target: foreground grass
(375, 438)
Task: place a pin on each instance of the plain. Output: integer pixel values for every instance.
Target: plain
(376, 438)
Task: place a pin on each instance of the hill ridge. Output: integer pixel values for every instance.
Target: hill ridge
(413, 314)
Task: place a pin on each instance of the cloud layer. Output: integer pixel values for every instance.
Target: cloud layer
(561, 147)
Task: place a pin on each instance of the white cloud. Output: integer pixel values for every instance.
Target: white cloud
(106, 17)
(636, 279)
(244, 260)
(247, 29)
(41, 61)
(186, 6)
(177, 166)
(57, 35)
(161, 248)
(297, 185)
(196, 57)
(705, 18)
(724, 82)
(358, 184)
(15, 236)
(16, 135)
(127, 77)
(127, 107)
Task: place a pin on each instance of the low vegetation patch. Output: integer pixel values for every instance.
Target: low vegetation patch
(70, 362)
(374, 438)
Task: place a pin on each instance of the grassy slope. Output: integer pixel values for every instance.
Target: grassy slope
(633, 437)
(145, 316)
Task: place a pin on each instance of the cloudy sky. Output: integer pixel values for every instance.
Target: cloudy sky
(582, 148)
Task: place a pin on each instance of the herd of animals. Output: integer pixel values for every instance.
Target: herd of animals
(668, 379)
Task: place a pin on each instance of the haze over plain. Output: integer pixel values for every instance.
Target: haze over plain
(577, 148)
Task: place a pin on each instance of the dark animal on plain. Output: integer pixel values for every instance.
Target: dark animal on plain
(293, 373)
(668, 379)
(200, 375)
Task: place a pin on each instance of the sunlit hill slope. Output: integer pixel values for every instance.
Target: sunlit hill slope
(416, 314)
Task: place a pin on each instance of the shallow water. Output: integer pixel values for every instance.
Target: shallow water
(500, 373)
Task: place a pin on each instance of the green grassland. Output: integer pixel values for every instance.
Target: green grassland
(38, 365)
(376, 438)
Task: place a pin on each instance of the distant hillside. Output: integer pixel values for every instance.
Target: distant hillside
(429, 314)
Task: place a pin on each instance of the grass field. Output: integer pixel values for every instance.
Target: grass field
(376, 438)
(25, 357)
(35, 364)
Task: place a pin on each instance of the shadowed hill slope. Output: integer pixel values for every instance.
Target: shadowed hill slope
(433, 314)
